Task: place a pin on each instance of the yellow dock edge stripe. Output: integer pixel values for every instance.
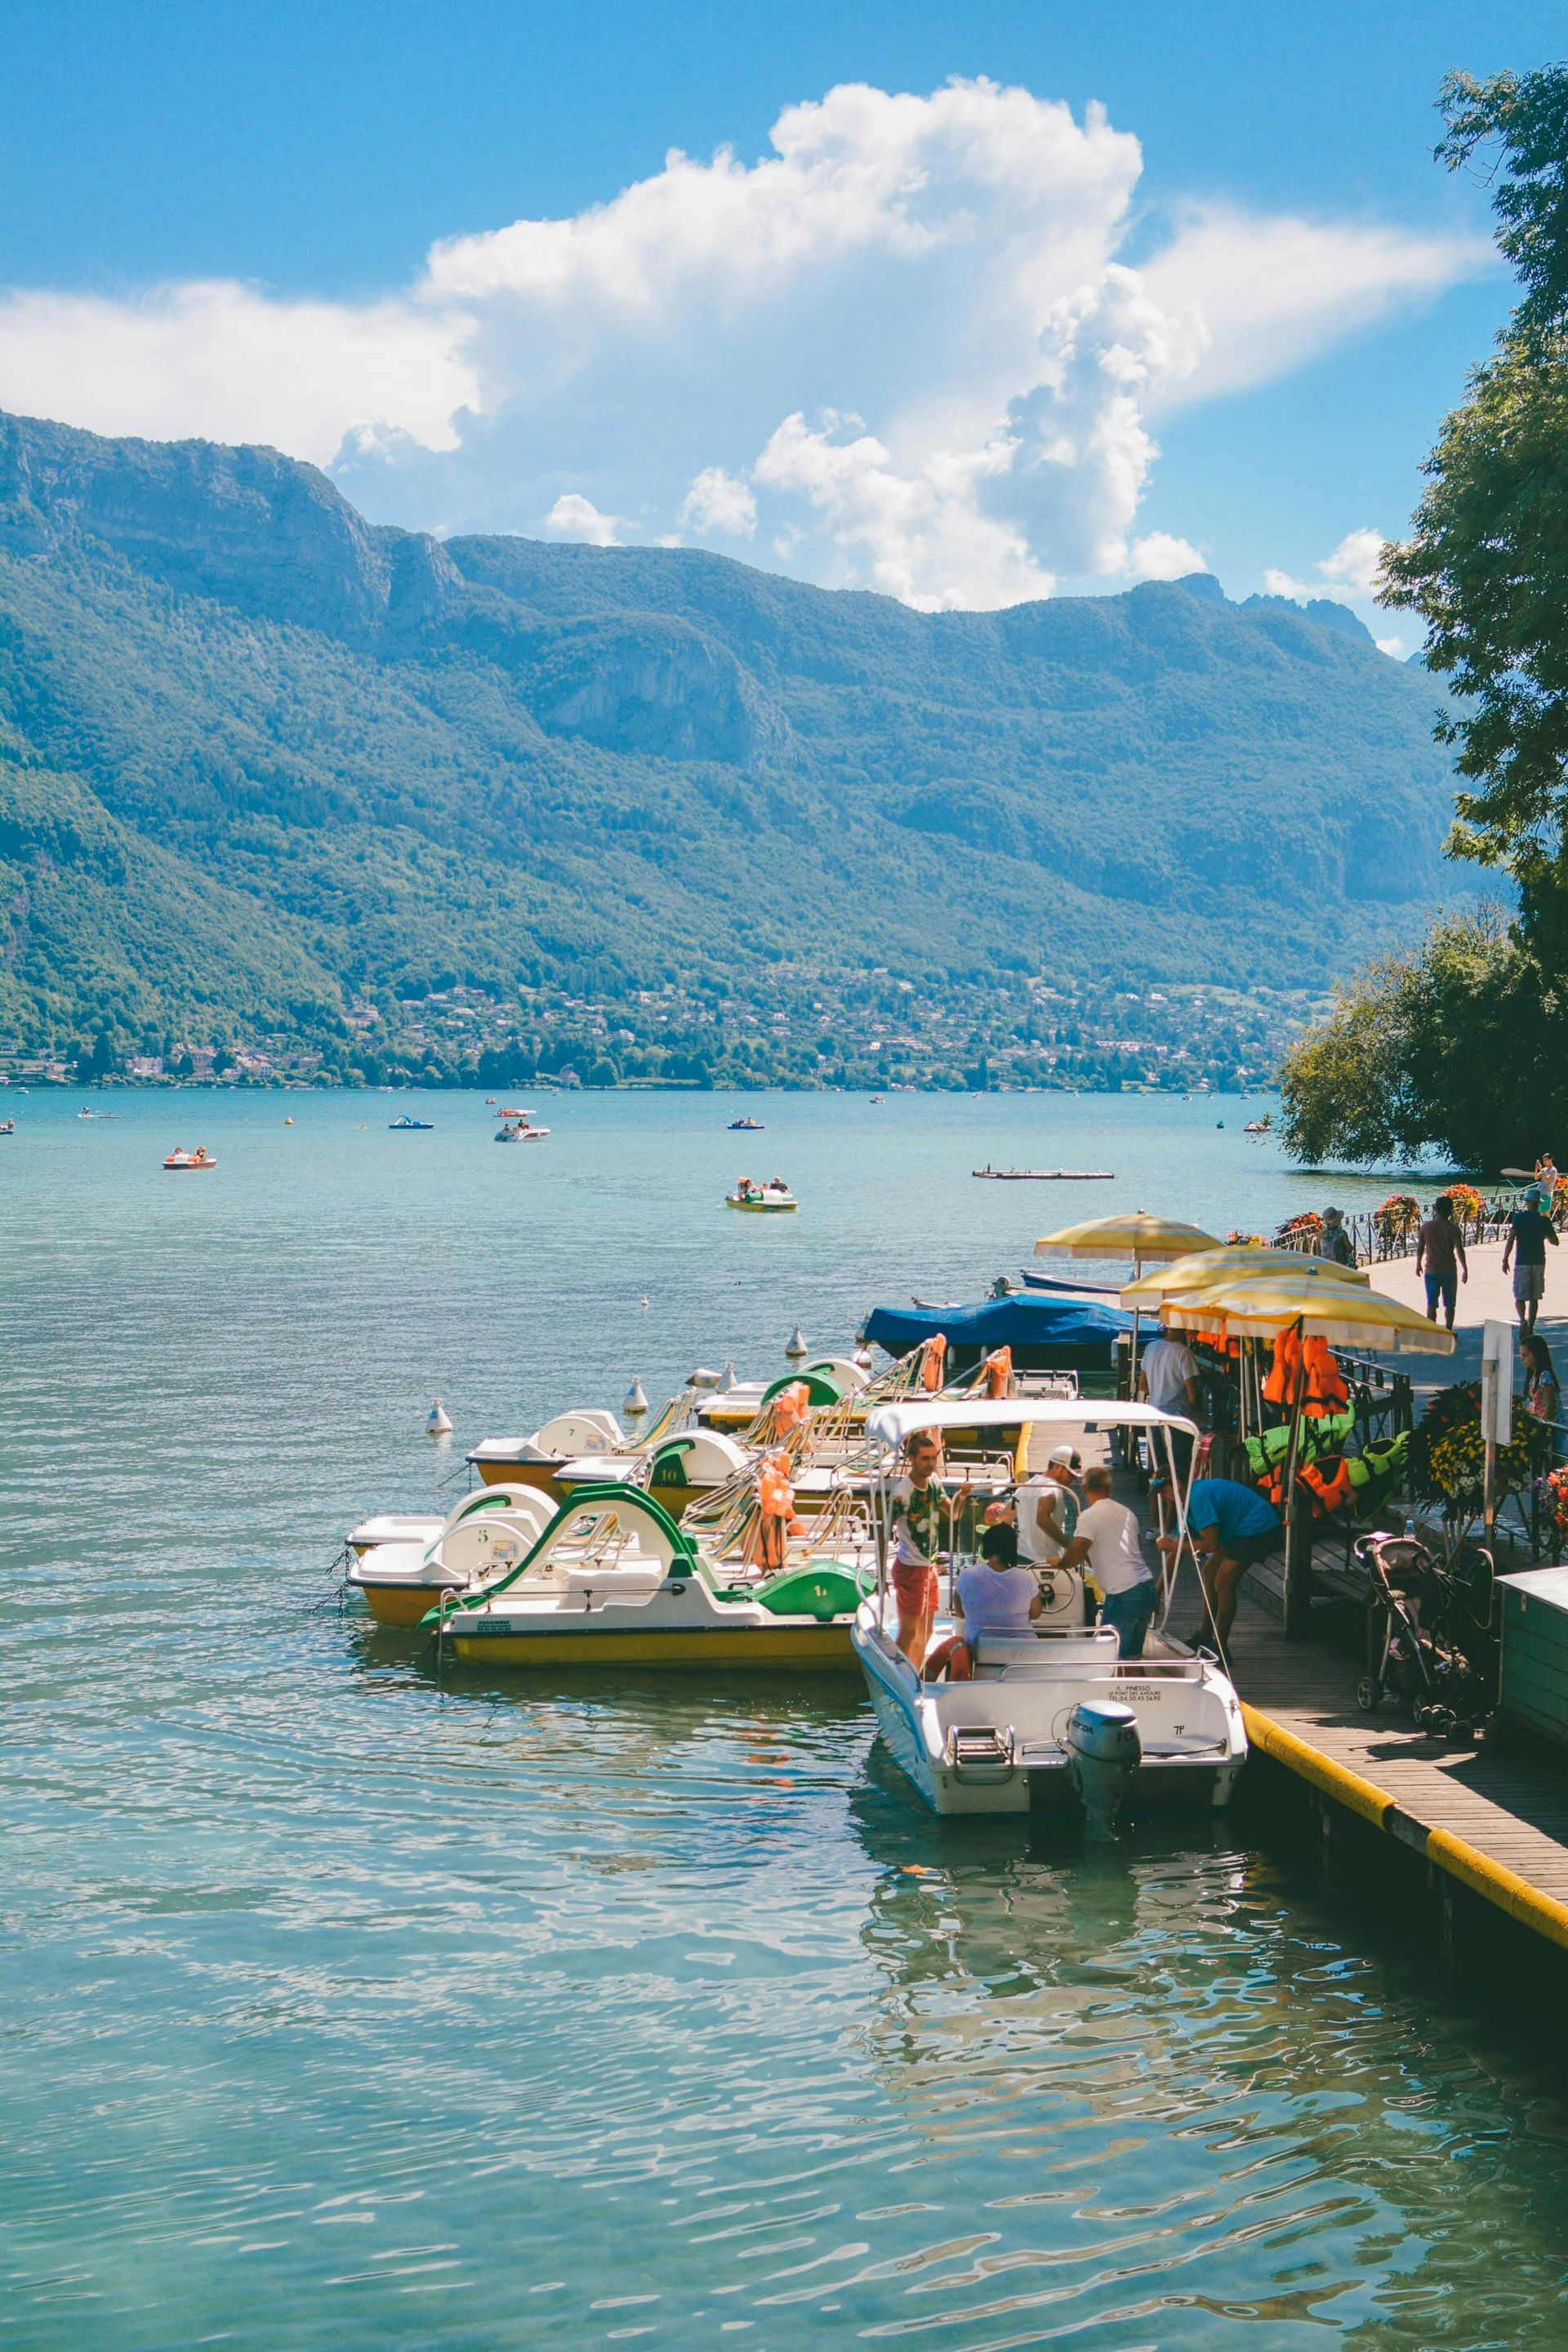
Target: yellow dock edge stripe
(1465, 1862)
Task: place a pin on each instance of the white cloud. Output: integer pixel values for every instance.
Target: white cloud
(575, 517)
(1269, 294)
(229, 362)
(946, 267)
(1158, 556)
(1350, 576)
(718, 502)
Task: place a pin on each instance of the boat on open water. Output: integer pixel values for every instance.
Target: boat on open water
(182, 1160)
(769, 1199)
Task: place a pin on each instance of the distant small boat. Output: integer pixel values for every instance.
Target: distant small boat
(876, 1098)
(86, 1114)
(515, 1114)
(1264, 1126)
(773, 1197)
(406, 1126)
(516, 1127)
(1046, 1175)
(746, 1126)
(181, 1158)
(7, 1127)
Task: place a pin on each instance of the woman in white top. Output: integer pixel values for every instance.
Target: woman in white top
(992, 1596)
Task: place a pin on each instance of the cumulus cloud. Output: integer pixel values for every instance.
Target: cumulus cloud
(229, 362)
(903, 348)
(718, 502)
(575, 517)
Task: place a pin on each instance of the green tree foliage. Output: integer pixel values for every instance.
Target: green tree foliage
(1464, 1045)
(1424, 1051)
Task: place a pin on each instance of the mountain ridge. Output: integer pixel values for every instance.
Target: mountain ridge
(529, 770)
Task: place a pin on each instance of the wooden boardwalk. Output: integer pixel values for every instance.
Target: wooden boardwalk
(1495, 1821)
(1509, 1808)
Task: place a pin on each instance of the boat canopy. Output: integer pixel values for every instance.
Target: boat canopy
(891, 1424)
(1051, 1326)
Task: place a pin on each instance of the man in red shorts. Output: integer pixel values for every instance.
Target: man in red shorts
(922, 1513)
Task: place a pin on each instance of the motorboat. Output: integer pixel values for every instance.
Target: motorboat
(516, 1127)
(769, 1197)
(406, 1126)
(7, 1127)
(1052, 1721)
(613, 1580)
(534, 1461)
(408, 1563)
(746, 1126)
(182, 1159)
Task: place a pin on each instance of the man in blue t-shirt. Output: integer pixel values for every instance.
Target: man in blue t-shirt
(1232, 1526)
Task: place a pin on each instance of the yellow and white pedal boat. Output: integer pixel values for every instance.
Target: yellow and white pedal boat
(401, 1565)
(613, 1580)
(535, 1461)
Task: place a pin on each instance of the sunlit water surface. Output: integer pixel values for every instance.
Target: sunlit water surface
(343, 2010)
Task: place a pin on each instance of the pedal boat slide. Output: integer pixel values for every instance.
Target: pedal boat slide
(614, 1580)
(1052, 1721)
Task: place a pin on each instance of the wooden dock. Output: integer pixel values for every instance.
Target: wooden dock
(1493, 1820)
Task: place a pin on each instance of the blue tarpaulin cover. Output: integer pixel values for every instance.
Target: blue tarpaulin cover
(1063, 1325)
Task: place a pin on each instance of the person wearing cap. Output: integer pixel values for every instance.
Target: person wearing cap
(1333, 1241)
(1047, 1509)
(1530, 1231)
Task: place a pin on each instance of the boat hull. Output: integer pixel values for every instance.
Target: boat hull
(540, 1475)
(404, 1605)
(821, 1648)
(1032, 1778)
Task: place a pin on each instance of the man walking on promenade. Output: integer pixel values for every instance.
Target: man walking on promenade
(1440, 1255)
(1529, 1232)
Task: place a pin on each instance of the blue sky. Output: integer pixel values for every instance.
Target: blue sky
(938, 325)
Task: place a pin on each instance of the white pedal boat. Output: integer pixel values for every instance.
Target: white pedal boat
(1053, 1721)
(403, 1565)
(534, 1461)
(613, 1580)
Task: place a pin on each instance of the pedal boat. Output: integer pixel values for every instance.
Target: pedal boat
(535, 1461)
(614, 1581)
(402, 1573)
(764, 1199)
(679, 1472)
(1053, 1721)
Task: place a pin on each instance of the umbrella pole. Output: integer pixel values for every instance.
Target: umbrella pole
(1298, 1572)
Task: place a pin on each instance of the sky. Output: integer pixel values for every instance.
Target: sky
(968, 303)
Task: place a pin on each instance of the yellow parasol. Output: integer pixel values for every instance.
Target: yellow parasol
(1325, 1305)
(1207, 1269)
(1133, 1235)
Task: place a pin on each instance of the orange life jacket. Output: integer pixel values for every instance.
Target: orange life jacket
(1328, 1483)
(1279, 1388)
(998, 1370)
(1326, 1391)
(775, 1498)
(933, 1358)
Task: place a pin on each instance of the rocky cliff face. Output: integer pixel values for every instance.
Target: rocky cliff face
(247, 526)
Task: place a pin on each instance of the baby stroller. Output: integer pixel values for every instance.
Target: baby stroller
(1421, 1631)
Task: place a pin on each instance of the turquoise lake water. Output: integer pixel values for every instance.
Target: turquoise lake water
(346, 2010)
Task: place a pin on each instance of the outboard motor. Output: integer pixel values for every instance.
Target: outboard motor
(1104, 1752)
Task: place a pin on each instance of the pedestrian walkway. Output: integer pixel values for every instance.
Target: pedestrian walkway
(1488, 1296)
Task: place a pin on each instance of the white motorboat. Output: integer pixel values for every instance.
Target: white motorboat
(403, 1564)
(1055, 1720)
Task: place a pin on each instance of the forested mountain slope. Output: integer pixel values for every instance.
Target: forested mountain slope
(259, 757)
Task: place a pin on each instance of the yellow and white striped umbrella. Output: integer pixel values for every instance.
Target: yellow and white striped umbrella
(1243, 1262)
(1325, 1305)
(1133, 1234)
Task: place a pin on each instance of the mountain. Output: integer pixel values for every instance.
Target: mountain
(263, 762)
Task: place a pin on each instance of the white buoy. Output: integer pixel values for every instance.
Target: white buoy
(637, 1403)
(863, 1356)
(644, 1305)
(702, 1378)
(727, 1378)
(797, 1346)
(439, 1423)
